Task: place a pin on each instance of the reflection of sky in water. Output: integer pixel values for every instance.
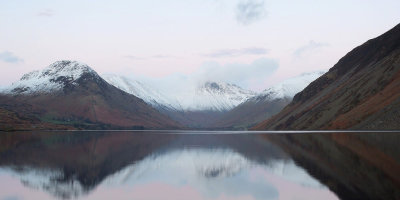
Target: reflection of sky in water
(217, 172)
(45, 179)
(184, 174)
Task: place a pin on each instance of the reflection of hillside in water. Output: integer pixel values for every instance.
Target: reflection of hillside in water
(78, 161)
(73, 164)
(212, 172)
(353, 165)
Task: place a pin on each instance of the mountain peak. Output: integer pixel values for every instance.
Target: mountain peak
(221, 87)
(212, 85)
(73, 69)
(212, 95)
(52, 78)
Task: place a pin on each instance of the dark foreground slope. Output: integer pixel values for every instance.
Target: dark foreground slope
(88, 102)
(362, 91)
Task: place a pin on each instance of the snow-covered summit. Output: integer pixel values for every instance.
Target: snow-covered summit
(289, 87)
(216, 96)
(51, 78)
(225, 88)
(208, 96)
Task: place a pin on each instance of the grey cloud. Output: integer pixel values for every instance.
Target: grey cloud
(311, 46)
(9, 57)
(46, 13)
(238, 52)
(249, 11)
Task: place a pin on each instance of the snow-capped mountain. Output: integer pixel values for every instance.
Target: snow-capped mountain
(288, 88)
(72, 95)
(215, 104)
(216, 96)
(144, 91)
(50, 79)
(193, 104)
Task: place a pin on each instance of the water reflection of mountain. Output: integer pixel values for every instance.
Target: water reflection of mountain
(75, 158)
(351, 165)
(76, 162)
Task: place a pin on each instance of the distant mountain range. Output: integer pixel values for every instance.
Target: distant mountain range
(216, 96)
(69, 94)
(361, 91)
(216, 104)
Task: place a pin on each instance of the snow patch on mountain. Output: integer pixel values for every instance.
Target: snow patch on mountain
(50, 79)
(215, 96)
(144, 91)
(288, 88)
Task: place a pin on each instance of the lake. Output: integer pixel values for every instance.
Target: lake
(199, 165)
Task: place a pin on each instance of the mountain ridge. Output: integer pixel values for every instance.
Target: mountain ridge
(52, 78)
(358, 92)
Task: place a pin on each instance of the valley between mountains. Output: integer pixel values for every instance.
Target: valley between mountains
(362, 91)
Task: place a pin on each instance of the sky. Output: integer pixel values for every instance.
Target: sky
(252, 43)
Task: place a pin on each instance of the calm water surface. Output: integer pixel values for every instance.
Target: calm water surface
(164, 165)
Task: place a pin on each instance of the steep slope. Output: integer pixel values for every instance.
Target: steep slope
(362, 91)
(149, 94)
(24, 120)
(71, 93)
(266, 104)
